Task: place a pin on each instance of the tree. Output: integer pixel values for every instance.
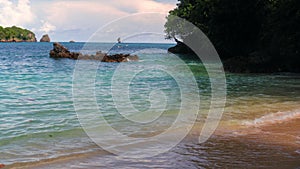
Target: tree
(16, 33)
(232, 25)
(281, 34)
(266, 30)
(194, 11)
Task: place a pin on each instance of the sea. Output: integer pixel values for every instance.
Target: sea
(45, 123)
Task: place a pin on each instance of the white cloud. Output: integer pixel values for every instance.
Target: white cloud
(141, 6)
(75, 14)
(138, 27)
(19, 14)
(68, 19)
(47, 27)
(93, 14)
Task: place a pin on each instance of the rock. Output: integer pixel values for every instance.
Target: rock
(2, 165)
(180, 48)
(120, 58)
(72, 41)
(45, 38)
(59, 51)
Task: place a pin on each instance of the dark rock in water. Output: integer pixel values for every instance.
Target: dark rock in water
(45, 38)
(72, 41)
(59, 51)
(120, 58)
(180, 48)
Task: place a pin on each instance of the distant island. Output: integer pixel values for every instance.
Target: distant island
(16, 34)
(45, 38)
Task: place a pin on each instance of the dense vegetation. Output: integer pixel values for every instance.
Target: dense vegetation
(16, 34)
(249, 35)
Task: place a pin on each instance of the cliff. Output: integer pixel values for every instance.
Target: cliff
(16, 34)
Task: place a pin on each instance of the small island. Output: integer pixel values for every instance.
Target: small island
(45, 38)
(16, 34)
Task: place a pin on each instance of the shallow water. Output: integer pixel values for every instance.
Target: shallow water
(38, 120)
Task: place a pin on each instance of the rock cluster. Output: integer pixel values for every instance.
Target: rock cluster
(59, 51)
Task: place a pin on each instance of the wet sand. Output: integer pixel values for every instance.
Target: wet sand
(269, 145)
(285, 132)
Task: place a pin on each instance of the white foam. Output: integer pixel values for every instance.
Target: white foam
(273, 118)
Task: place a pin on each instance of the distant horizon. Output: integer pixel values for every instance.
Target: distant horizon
(171, 43)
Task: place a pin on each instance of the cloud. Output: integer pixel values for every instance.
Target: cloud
(71, 14)
(141, 6)
(89, 16)
(78, 20)
(69, 19)
(19, 13)
(47, 27)
(146, 27)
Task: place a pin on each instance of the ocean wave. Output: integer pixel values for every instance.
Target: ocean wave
(62, 158)
(273, 118)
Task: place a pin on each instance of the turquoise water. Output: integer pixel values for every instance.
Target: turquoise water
(36, 100)
(37, 116)
(38, 119)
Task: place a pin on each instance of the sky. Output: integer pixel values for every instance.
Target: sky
(78, 20)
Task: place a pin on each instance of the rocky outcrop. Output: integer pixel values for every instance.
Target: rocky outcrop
(180, 48)
(59, 51)
(119, 58)
(45, 38)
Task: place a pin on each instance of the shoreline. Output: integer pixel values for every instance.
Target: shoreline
(282, 129)
(283, 135)
(55, 161)
(255, 62)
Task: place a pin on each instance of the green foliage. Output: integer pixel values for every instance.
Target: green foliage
(16, 33)
(235, 26)
(281, 34)
(270, 28)
(194, 11)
